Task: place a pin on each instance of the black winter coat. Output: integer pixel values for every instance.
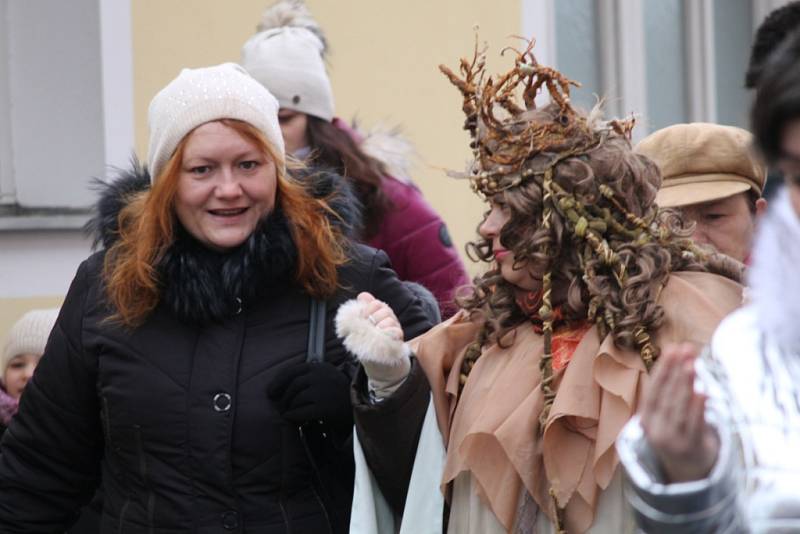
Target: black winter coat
(174, 413)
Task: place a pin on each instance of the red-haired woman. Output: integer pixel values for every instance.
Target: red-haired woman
(179, 366)
(287, 57)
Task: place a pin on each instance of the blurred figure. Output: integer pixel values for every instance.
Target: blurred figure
(780, 23)
(712, 176)
(24, 346)
(772, 31)
(715, 448)
(194, 363)
(427, 301)
(287, 56)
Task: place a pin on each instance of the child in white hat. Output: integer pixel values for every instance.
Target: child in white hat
(23, 348)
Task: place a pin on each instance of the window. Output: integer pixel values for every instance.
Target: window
(576, 48)
(665, 49)
(669, 61)
(733, 20)
(66, 106)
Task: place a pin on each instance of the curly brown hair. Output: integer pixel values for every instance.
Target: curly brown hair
(590, 224)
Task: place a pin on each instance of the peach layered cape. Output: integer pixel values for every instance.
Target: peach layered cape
(493, 432)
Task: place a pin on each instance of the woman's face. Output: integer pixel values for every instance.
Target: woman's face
(18, 371)
(225, 188)
(294, 127)
(490, 230)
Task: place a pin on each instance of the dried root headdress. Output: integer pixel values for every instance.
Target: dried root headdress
(504, 138)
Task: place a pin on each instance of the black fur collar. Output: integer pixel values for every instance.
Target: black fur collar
(200, 285)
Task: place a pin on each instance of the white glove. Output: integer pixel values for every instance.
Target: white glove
(370, 330)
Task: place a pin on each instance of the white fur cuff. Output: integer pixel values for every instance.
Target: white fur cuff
(368, 342)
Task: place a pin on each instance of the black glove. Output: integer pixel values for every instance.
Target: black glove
(313, 392)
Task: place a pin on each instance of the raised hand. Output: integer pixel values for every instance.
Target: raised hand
(370, 330)
(673, 417)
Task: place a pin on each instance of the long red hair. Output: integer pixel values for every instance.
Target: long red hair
(147, 230)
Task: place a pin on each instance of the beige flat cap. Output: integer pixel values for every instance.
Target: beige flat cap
(701, 162)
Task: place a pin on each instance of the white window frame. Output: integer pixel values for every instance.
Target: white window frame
(622, 53)
(117, 63)
(700, 60)
(7, 191)
(116, 70)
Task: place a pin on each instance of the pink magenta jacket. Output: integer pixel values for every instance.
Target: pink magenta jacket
(416, 239)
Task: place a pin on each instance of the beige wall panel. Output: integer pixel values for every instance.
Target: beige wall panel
(383, 63)
(12, 309)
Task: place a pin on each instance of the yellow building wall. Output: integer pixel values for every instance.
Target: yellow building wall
(383, 62)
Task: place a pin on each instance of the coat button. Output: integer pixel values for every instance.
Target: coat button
(230, 520)
(238, 306)
(221, 402)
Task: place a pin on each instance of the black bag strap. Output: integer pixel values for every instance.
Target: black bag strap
(316, 331)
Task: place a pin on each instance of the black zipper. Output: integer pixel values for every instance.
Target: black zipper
(284, 438)
(151, 504)
(104, 413)
(106, 422)
(285, 516)
(122, 513)
(324, 509)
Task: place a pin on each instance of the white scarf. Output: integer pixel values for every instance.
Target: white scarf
(774, 276)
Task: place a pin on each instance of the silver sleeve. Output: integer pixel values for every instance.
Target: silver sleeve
(709, 505)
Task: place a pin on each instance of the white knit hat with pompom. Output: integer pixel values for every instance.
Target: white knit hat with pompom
(287, 56)
(29, 334)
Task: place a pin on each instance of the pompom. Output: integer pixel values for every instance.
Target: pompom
(291, 13)
(389, 146)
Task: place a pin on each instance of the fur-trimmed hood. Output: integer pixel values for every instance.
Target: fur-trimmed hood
(201, 285)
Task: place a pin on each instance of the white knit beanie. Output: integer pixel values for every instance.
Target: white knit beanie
(29, 334)
(287, 57)
(198, 96)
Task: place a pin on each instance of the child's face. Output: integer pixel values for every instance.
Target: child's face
(18, 372)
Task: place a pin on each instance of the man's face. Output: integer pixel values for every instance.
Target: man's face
(727, 224)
